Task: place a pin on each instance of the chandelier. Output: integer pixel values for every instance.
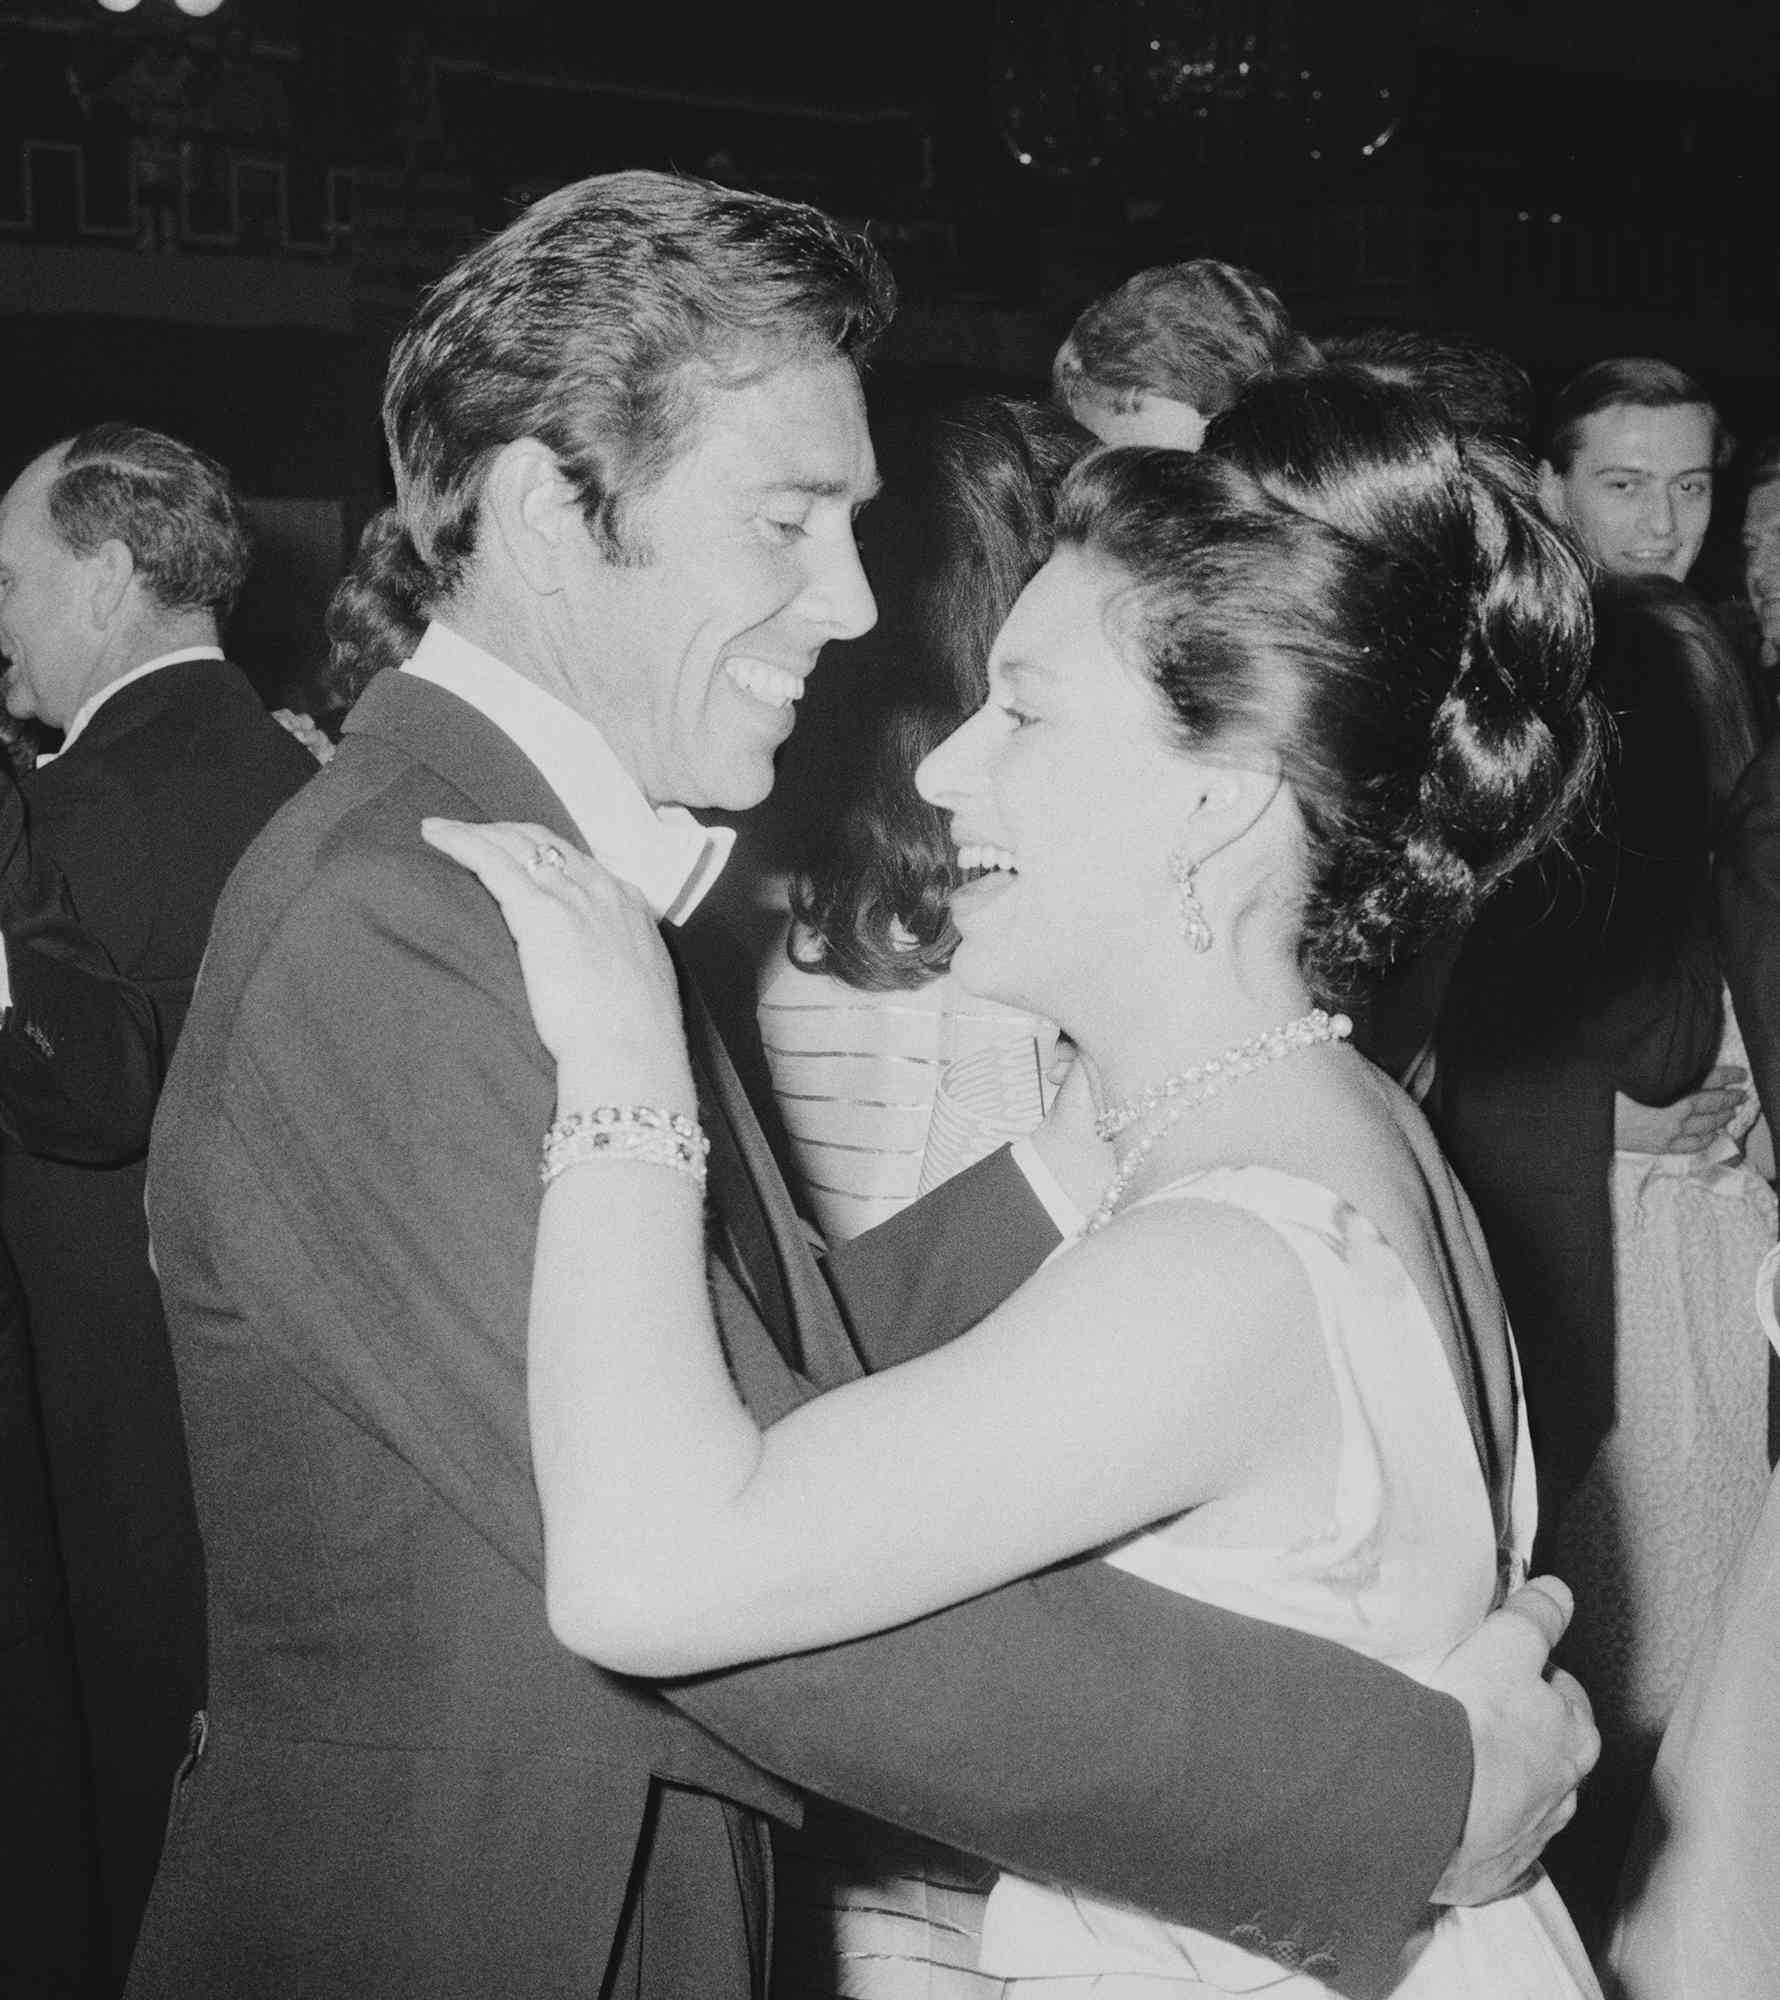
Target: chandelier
(197, 9)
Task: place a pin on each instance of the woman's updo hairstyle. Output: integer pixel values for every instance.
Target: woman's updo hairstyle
(1338, 586)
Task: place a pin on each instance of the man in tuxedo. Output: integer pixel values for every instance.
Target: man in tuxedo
(629, 441)
(120, 552)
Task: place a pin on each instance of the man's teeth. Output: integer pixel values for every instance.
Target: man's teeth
(764, 682)
(980, 854)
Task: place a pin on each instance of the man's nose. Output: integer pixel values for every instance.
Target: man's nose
(1658, 512)
(844, 597)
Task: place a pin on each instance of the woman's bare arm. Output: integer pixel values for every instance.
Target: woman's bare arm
(1154, 1367)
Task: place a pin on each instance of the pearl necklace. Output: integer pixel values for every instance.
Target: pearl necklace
(1190, 1087)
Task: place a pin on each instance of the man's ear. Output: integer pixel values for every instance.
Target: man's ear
(534, 512)
(109, 572)
(1551, 493)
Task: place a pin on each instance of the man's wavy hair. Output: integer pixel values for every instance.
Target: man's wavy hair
(170, 505)
(596, 322)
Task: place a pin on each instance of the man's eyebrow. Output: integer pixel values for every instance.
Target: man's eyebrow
(827, 489)
(1646, 472)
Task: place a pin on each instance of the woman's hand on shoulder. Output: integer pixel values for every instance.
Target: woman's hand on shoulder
(601, 987)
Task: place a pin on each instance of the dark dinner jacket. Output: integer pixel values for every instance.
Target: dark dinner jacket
(142, 818)
(79, 1047)
(409, 1786)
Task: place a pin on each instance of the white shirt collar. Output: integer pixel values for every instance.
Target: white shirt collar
(1053, 1197)
(94, 702)
(661, 851)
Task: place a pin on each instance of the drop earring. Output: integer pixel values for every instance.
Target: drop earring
(1193, 925)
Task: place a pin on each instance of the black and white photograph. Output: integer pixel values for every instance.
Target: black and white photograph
(889, 1000)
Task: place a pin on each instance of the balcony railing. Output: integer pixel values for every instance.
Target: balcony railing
(197, 196)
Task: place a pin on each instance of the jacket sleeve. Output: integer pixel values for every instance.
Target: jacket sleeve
(80, 1057)
(387, 1150)
(943, 1263)
(1088, 1727)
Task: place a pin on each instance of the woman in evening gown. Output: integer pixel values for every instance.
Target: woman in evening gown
(1695, 1919)
(1268, 715)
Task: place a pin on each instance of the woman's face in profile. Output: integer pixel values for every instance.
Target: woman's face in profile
(1063, 795)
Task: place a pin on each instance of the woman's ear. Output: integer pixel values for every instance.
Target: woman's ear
(1227, 799)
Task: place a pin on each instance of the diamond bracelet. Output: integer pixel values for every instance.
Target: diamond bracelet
(625, 1132)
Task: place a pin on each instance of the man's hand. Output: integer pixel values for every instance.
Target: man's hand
(1532, 1735)
(1687, 1126)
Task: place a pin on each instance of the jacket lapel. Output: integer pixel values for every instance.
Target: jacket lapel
(756, 1231)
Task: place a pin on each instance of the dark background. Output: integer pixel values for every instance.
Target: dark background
(215, 225)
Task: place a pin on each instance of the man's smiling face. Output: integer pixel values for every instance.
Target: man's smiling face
(1638, 491)
(748, 568)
